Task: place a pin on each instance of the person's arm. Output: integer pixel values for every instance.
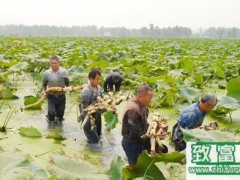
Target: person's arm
(101, 91)
(118, 85)
(105, 85)
(188, 120)
(67, 82)
(85, 98)
(44, 85)
(66, 78)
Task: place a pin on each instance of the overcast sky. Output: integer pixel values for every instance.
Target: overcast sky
(128, 13)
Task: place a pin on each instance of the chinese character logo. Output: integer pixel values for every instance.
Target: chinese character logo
(200, 153)
(226, 153)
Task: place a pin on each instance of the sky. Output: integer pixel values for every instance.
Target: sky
(118, 13)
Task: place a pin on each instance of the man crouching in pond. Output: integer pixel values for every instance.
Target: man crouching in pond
(135, 125)
(192, 117)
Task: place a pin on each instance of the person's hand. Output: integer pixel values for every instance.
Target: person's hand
(145, 136)
(72, 89)
(163, 135)
(44, 93)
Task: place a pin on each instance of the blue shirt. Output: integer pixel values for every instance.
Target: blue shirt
(191, 116)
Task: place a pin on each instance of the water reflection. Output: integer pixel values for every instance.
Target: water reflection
(55, 125)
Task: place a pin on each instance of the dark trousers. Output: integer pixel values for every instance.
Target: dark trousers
(132, 150)
(56, 106)
(179, 143)
(94, 132)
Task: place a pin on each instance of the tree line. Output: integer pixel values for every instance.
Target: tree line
(94, 31)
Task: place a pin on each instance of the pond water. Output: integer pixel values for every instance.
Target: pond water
(100, 155)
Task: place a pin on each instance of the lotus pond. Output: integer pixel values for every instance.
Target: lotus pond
(179, 70)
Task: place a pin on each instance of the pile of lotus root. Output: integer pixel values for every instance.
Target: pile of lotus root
(213, 125)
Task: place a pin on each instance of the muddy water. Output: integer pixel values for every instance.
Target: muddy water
(75, 143)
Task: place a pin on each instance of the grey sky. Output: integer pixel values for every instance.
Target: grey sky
(128, 13)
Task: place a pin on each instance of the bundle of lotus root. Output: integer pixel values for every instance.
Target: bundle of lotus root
(213, 125)
(157, 131)
(53, 89)
(65, 89)
(107, 103)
